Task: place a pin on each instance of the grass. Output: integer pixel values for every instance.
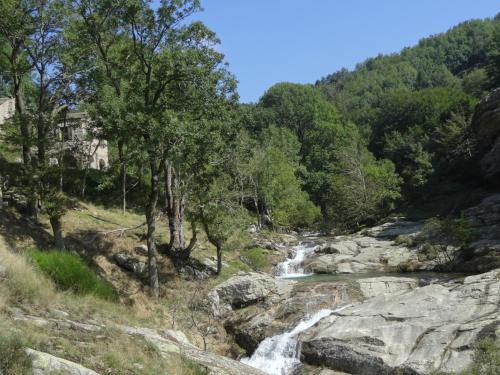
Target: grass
(13, 358)
(69, 272)
(256, 258)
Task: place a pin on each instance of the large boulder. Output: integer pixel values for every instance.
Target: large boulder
(247, 288)
(368, 251)
(171, 343)
(486, 125)
(46, 364)
(414, 331)
(251, 325)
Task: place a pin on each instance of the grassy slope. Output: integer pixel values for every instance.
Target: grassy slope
(27, 289)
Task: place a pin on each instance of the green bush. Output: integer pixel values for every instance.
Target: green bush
(69, 272)
(486, 358)
(13, 358)
(256, 258)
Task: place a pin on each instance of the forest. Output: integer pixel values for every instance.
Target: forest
(391, 136)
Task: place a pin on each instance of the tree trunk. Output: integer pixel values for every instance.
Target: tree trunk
(123, 176)
(219, 259)
(55, 222)
(84, 182)
(25, 128)
(1, 192)
(174, 205)
(151, 227)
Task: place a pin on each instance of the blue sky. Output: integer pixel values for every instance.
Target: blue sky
(269, 41)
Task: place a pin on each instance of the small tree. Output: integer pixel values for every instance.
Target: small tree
(55, 206)
(448, 235)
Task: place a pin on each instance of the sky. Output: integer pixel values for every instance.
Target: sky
(270, 41)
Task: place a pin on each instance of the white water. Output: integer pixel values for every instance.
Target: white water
(294, 266)
(277, 355)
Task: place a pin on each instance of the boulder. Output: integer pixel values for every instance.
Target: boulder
(247, 288)
(46, 364)
(249, 326)
(130, 263)
(415, 331)
(141, 249)
(175, 342)
(359, 253)
(375, 286)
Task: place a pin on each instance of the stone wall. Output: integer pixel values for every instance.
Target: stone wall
(7, 109)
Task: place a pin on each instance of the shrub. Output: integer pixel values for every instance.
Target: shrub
(486, 358)
(256, 258)
(69, 272)
(13, 358)
(405, 240)
(446, 235)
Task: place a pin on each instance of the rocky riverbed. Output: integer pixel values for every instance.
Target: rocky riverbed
(342, 304)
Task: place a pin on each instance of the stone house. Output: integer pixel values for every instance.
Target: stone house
(74, 132)
(72, 138)
(7, 109)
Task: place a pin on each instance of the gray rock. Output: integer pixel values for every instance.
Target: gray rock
(141, 249)
(418, 331)
(46, 364)
(216, 364)
(130, 263)
(247, 288)
(375, 286)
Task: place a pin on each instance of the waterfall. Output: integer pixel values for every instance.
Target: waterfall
(294, 266)
(277, 355)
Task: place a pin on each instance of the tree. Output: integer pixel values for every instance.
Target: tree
(55, 205)
(166, 74)
(362, 189)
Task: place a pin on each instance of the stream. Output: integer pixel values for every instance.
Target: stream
(278, 355)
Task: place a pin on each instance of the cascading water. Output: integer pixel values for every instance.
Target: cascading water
(277, 355)
(294, 266)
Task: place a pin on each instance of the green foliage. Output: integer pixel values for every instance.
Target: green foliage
(486, 360)
(446, 236)
(55, 204)
(69, 272)
(362, 189)
(13, 358)
(256, 258)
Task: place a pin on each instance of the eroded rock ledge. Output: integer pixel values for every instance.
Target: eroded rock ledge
(413, 332)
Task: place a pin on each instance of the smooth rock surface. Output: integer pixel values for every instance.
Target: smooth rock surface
(247, 288)
(175, 343)
(374, 286)
(46, 364)
(416, 331)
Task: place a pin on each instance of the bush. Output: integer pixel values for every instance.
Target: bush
(256, 258)
(13, 358)
(69, 272)
(486, 358)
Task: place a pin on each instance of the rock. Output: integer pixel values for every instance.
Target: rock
(3, 272)
(46, 364)
(246, 288)
(359, 253)
(130, 263)
(216, 364)
(395, 228)
(375, 286)
(249, 326)
(418, 331)
(485, 125)
(141, 249)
